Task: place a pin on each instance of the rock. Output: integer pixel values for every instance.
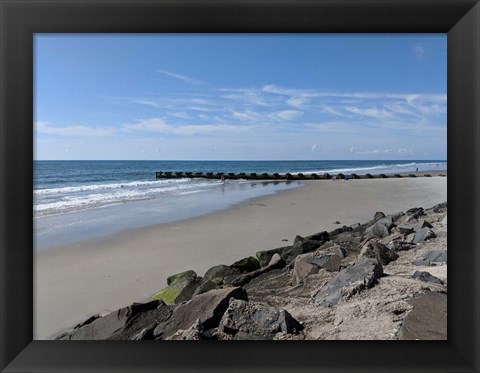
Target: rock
(331, 263)
(441, 207)
(428, 318)
(264, 257)
(275, 263)
(401, 245)
(432, 257)
(414, 210)
(252, 319)
(322, 236)
(349, 237)
(301, 247)
(217, 274)
(187, 275)
(423, 235)
(443, 221)
(336, 232)
(363, 274)
(377, 250)
(380, 229)
(194, 333)
(302, 269)
(208, 308)
(405, 229)
(178, 291)
(415, 213)
(422, 224)
(392, 237)
(246, 265)
(144, 334)
(427, 277)
(127, 323)
(395, 217)
(378, 215)
(298, 239)
(204, 286)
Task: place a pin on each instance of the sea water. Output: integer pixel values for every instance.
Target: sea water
(77, 200)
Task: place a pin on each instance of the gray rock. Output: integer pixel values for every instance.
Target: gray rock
(427, 277)
(194, 333)
(204, 286)
(124, 324)
(252, 319)
(422, 224)
(217, 274)
(349, 237)
(275, 263)
(432, 257)
(331, 263)
(401, 245)
(378, 251)
(178, 291)
(322, 236)
(264, 257)
(302, 269)
(353, 279)
(338, 231)
(396, 216)
(405, 229)
(380, 229)
(423, 235)
(428, 318)
(208, 308)
(378, 215)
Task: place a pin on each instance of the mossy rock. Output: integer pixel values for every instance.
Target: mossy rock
(265, 256)
(218, 273)
(249, 264)
(187, 275)
(178, 292)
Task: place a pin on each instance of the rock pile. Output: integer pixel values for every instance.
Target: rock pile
(384, 279)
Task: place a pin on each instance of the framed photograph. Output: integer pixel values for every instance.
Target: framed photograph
(238, 182)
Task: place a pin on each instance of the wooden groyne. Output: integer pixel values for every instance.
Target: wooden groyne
(278, 176)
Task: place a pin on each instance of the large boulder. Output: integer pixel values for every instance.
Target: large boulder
(246, 265)
(251, 320)
(321, 236)
(275, 263)
(265, 256)
(353, 279)
(220, 274)
(178, 291)
(400, 245)
(422, 224)
(203, 286)
(208, 308)
(330, 263)
(377, 250)
(302, 268)
(428, 318)
(187, 275)
(423, 234)
(380, 229)
(426, 277)
(432, 257)
(133, 322)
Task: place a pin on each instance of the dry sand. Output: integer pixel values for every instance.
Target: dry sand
(76, 281)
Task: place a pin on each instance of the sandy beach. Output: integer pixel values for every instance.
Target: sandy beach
(76, 281)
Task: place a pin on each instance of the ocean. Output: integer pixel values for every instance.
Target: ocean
(76, 200)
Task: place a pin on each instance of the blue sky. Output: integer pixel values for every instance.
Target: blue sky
(240, 97)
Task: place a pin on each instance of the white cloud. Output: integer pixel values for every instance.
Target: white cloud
(183, 78)
(419, 51)
(160, 126)
(288, 114)
(315, 148)
(76, 130)
(353, 149)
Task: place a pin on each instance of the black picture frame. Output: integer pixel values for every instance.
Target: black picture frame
(20, 19)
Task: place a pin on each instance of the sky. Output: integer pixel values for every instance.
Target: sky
(240, 97)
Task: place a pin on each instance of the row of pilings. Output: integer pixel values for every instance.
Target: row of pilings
(277, 176)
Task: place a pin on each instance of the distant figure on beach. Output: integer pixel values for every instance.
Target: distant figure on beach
(222, 179)
(416, 169)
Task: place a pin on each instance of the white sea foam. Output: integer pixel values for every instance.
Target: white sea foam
(380, 168)
(81, 198)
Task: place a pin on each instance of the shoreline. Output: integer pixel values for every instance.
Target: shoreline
(111, 272)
